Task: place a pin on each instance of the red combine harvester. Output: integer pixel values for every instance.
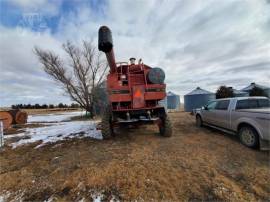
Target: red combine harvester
(134, 92)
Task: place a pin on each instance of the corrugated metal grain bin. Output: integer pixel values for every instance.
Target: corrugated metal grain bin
(164, 103)
(266, 89)
(173, 101)
(197, 98)
(239, 93)
(267, 92)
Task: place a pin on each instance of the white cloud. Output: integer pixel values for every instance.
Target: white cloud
(22, 78)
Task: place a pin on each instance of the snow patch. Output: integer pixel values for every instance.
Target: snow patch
(56, 132)
(82, 200)
(4, 196)
(43, 118)
(51, 199)
(97, 197)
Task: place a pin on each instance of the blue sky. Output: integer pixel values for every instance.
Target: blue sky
(12, 12)
(204, 43)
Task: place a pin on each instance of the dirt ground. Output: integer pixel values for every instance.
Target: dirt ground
(194, 164)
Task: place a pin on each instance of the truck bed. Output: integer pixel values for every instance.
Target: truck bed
(258, 110)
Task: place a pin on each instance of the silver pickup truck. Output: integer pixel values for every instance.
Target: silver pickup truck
(248, 117)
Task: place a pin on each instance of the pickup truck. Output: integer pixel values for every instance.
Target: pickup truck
(247, 117)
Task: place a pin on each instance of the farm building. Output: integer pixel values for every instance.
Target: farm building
(252, 85)
(197, 98)
(239, 93)
(163, 103)
(173, 101)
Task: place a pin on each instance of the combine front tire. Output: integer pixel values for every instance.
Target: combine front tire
(165, 128)
(106, 125)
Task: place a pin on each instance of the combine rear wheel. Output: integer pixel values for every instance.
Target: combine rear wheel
(106, 125)
(165, 127)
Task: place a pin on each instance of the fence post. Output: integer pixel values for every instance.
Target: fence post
(1, 134)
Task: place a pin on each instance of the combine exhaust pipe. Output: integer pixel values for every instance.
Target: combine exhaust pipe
(105, 44)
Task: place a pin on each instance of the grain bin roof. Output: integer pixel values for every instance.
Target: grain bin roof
(238, 91)
(199, 91)
(170, 93)
(252, 85)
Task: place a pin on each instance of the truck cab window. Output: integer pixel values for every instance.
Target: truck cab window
(211, 105)
(264, 103)
(247, 104)
(222, 105)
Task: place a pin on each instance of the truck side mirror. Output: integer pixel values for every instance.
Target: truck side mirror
(204, 108)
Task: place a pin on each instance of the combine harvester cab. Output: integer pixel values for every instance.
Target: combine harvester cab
(134, 91)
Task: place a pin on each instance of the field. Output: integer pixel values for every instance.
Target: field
(194, 164)
(47, 111)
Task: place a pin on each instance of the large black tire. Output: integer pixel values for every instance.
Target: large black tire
(249, 137)
(199, 121)
(165, 128)
(106, 125)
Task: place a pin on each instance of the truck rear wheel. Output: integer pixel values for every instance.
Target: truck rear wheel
(165, 128)
(199, 122)
(106, 125)
(249, 137)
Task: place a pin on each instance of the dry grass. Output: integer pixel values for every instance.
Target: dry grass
(18, 128)
(138, 164)
(42, 111)
(49, 111)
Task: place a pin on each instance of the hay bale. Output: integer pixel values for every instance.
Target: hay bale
(6, 118)
(21, 117)
(18, 117)
(13, 113)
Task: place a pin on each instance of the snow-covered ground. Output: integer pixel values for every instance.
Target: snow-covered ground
(57, 129)
(43, 118)
(18, 196)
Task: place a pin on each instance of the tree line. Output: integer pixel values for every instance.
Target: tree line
(226, 92)
(44, 106)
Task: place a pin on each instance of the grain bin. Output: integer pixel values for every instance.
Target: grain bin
(266, 89)
(164, 103)
(239, 93)
(173, 101)
(197, 98)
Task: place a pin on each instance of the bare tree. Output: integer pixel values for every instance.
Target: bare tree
(88, 70)
(224, 92)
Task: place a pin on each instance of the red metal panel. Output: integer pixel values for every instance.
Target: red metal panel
(120, 98)
(138, 96)
(137, 79)
(155, 95)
